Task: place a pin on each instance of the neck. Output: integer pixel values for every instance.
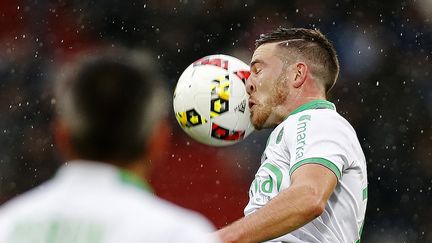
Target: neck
(301, 99)
(281, 112)
(139, 167)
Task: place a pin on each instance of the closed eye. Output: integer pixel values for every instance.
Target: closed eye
(256, 70)
(256, 66)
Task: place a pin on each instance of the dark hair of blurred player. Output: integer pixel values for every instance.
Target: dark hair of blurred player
(109, 108)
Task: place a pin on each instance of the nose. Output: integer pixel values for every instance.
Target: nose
(250, 87)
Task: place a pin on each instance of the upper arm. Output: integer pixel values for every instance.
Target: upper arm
(321, 180)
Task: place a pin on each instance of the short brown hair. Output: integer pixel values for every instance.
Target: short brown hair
(312, 45)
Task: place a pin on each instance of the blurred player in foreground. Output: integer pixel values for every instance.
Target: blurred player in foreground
(312, 182)
(108, 128)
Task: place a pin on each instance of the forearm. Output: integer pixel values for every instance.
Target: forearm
(291, 209)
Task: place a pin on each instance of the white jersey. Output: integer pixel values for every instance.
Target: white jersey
(316, 133)
(90, 202)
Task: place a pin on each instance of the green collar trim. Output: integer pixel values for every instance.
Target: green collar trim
(131, 179)
(315, 104)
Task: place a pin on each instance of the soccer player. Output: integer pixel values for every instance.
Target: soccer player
(312, 182)
(108, 128)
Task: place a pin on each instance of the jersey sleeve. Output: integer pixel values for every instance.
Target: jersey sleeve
(320, 139)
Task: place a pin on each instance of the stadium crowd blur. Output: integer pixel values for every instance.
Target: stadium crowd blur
(384, 90)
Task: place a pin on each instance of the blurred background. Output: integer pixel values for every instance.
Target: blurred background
(384, 90)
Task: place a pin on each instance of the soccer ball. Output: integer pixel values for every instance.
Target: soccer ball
(210, 100)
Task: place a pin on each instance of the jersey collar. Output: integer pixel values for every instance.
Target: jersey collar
(98, 172)
(131, 179)
(315, 104)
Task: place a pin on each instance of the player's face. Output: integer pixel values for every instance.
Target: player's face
(267, 86)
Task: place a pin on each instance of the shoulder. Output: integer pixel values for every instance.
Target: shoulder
(319, 121)
(162, 210)
(27, 201)
(20, 207)
(152, 217)
(317, 131)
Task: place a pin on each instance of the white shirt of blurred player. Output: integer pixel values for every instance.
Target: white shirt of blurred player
(90, 202)
(316, 133)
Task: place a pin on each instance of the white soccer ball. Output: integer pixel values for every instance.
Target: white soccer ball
(210, 100)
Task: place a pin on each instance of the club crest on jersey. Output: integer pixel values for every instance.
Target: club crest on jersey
(279, 136)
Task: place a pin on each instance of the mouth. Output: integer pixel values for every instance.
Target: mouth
(251, 104)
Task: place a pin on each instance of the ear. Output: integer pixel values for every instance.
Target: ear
(159, 140)
(301, 72)
(62, 139)
(156, 150)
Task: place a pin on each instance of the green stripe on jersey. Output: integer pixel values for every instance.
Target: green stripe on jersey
(316, 104)
(131, 179)
(365, 193)
(360, 233)
(277, 172)
(324, 162)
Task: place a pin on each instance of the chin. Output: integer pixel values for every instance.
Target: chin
(256, 123)
(257, 127)
(263, 118)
